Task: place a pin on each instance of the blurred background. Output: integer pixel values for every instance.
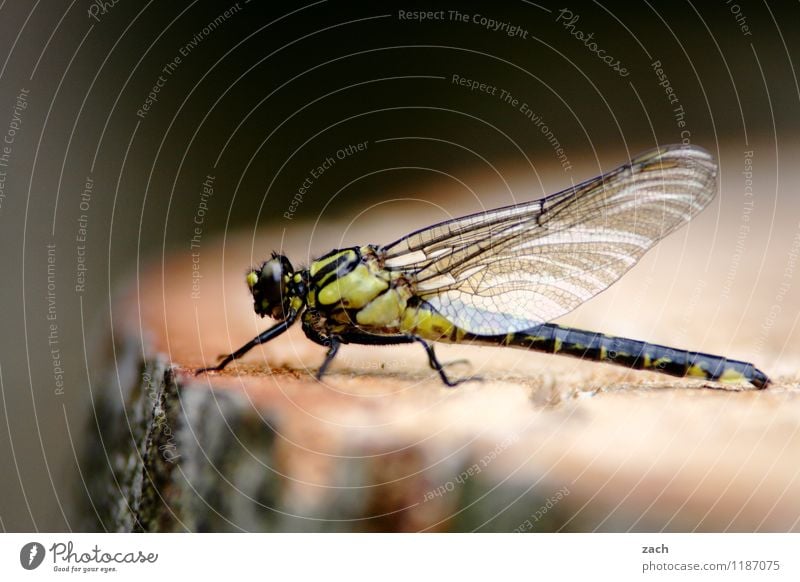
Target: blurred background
(136, 130)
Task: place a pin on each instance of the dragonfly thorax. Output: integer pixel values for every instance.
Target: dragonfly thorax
(276, 288)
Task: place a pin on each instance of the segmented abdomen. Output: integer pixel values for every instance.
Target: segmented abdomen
(630, 353)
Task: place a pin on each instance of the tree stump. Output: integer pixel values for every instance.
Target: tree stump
(544, 443)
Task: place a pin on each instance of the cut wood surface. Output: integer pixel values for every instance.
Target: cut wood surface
(544, 443)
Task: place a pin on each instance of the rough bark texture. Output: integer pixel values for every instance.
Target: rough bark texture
(543, 444)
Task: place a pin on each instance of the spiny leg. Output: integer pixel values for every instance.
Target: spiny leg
(261, 338)
(363, 338)
(332, 351)
(437, 365)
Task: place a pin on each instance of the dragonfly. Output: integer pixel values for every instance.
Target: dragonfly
(499, 277)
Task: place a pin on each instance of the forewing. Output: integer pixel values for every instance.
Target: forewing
(514, 267)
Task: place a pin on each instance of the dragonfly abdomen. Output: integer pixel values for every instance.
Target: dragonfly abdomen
(634, 354)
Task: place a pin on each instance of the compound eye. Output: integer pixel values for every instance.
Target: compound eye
(268, 286)
(271, 282)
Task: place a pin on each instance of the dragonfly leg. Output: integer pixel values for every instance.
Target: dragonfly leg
(261, 338)
(317, 332)
(332, 351)
(437, 365)
(455, 362)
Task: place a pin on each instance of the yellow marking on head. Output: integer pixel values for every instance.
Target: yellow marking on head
(696, 371)
(603, 352)
(355, 289)
(296, 303)
(731, 375)
(647, 361)
(383, 311)
(252, 279)
(557, 343)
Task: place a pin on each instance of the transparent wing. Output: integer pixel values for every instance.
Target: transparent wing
(514, 267)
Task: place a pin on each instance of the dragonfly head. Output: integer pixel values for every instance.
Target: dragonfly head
(270, 285)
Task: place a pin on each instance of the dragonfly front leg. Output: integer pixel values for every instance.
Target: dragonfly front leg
(262, 338)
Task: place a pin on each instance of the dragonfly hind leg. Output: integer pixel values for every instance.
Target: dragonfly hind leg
(332, 340)
(439, 367)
